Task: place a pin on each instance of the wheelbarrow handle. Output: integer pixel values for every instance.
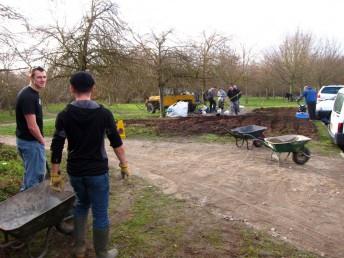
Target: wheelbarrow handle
(47, 174)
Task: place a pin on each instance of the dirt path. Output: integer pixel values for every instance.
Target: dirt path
(300, 204)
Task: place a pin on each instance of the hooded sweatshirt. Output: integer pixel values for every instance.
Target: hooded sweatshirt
(84, 124)
(310, 95)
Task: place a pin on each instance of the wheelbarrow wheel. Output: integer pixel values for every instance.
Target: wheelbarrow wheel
(301, 157)
(257, 143)
(66, 226)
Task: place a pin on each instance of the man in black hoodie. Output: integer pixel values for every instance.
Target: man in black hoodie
(234, 95)
(84, 123)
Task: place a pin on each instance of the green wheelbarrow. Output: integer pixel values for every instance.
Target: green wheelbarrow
(294, 144)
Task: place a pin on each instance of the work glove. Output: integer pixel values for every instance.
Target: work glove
(124, 170)
(56, 181)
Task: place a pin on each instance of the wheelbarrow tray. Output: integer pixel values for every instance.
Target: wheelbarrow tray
(249, 131)
(30, 211)
(287, 143)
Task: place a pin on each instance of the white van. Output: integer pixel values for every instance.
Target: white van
(335, 127)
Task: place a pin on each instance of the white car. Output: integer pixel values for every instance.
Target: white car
(325, 100)
(335, 128)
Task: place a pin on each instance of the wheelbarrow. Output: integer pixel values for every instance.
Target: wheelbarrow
(245, 133)
(31, 211)
(294, 144)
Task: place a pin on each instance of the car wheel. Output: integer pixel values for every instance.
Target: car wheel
(150, 108)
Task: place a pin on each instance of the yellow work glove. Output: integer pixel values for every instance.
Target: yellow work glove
(56, 181)
(124, 170)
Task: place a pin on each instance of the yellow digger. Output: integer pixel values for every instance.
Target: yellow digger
(171, 96)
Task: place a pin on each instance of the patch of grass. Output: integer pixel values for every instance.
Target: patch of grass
(8, 129)
(140, 131)
(258, 102)
(48, 128)
(257, 244)
(138, 110)
(209, 138)
(7, 116)
(144, 229)
(11, 171)
(324, 145)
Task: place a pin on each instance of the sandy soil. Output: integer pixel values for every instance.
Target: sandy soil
(300, 204)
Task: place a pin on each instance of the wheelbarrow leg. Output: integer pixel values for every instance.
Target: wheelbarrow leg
(237, 142)
(278, 155)
(247, 144)
(45, 250)
(8, 245)
(3, 246)
(288, 155)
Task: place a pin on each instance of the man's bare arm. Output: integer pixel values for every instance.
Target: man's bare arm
(120, 153)
(33, 128)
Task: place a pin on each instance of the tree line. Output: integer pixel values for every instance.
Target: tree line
(130, 67)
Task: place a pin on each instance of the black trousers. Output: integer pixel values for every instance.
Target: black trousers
(311, 110)
(212, 104)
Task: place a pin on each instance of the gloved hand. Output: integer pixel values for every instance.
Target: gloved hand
(56, 181)
(124, 170)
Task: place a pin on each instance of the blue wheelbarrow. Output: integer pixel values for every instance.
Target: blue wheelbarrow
(244, 134)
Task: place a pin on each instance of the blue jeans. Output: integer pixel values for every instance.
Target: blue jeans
(235, 108)
(33, 156)
(92, 191)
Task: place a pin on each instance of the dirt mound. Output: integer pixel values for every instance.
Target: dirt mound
(279, 121)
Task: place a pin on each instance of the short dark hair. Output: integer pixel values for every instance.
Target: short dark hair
(34, 69)
(82, 81)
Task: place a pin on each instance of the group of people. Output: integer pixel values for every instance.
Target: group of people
(84, 124)
(233, 93)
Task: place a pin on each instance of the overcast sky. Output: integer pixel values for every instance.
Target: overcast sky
(258, 24)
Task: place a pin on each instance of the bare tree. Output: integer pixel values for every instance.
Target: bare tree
(328, 64)
(163, 59)
(209, 49)
(79, 48)
(290, 63)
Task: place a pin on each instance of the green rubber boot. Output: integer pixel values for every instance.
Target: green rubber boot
(80, 225)
(100, 241)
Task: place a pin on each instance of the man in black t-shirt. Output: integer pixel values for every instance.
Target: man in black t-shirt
(29, 129)
(84, 123)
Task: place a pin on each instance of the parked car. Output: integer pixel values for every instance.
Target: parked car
(335, 127)
(325, 100)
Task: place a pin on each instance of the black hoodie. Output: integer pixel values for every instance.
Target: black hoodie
(84, 124)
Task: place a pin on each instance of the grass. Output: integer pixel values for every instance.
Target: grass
(7, 116)
(138, 111)
(324, 145)
(11, 171)
(257, 102)
(258, 244)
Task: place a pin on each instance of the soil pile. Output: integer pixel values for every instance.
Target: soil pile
(279, 121)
